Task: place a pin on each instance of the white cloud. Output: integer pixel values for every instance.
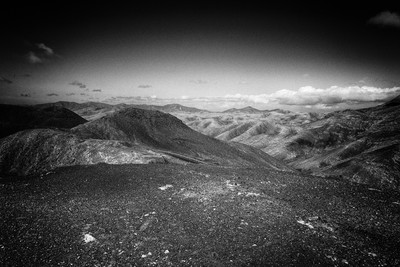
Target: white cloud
(263, 98)
(386, 18)
(33, 58)
(47, 50)
(309, 95)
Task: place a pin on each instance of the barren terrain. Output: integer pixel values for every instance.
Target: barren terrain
(194, 215)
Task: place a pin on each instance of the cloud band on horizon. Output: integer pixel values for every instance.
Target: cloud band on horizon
(309, 95)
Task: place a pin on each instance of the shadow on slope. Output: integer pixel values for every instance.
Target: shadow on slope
(17, 118)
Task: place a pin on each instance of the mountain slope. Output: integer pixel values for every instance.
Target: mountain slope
(18, 118)
(42, 150)
(127, 136)
(163, 132)
(357, 145)
(360, 145)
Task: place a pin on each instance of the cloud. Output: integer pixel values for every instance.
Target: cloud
(199, 81)
(78, 84)
(40, 53)
(144, 86)
(262, 98)
(33, 58)
(45, 49)
(96, 90)
(52, 94)
(309, 95)
(386, 18)
(5, 80)
(25, 95)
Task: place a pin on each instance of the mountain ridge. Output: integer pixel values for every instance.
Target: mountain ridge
(16, 118)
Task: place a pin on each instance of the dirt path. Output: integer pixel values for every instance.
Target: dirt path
(194, 215)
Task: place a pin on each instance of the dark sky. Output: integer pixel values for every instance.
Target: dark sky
(239, 53)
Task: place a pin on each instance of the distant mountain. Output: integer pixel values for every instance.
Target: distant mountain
(76, 106)
(129, 135)
(18, 118)
(357, 145)
(87, 110)
(170, 108)
(248, 109)
(94, 110)
(178, 108)
(360, 145)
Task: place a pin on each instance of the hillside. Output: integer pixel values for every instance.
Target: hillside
(127, 136)
(170, 108)
(42, 150)
(18, 118)
(163, 132)
(358, 145)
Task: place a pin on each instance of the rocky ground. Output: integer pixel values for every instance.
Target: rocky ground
(194, 215)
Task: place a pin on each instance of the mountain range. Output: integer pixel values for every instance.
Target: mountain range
(129, 135)
(143, 187)
(358, 145)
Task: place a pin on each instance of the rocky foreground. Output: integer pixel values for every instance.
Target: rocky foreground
(194, 215)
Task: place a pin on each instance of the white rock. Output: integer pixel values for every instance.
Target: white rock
(306, 224)
(88, 238)
(165, 187)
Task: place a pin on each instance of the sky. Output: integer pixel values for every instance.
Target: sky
(210, 55)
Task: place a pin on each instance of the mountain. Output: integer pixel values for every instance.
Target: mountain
(129, 135)
(94, 110)
(165, 133)
(76, 106)
(248, 109)
(170, 108)
(87, 110)
(393, 103)
(357, 145)
(18, 118)
(41, 150)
